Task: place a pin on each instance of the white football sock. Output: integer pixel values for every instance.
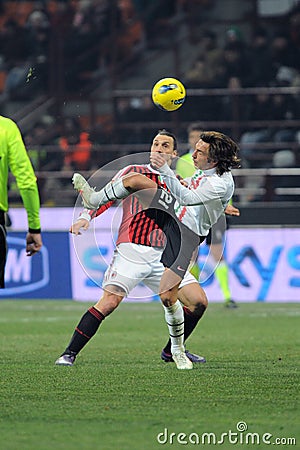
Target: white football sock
(114, 190)
(175, 321)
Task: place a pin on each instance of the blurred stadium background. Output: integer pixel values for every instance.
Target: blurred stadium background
(76, 76)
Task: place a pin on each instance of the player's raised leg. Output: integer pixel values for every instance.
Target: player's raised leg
(92, 199)
(115, 190)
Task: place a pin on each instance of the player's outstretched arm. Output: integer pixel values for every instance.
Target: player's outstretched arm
(85, 217)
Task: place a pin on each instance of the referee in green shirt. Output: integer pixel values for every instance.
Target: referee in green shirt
(13, 157)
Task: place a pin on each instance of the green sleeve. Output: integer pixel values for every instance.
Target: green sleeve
(21, 168)
(185, 166)
(31, 203)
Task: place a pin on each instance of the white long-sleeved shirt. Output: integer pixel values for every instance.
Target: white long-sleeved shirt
(200, 205)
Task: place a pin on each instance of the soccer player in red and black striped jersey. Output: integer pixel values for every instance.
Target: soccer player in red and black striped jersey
(137, 258)
(136, 226)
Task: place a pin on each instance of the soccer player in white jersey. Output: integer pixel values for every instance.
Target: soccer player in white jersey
(215, 240)
(195, 208)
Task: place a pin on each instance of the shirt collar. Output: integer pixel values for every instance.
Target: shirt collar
(209, 172)
(152, 169)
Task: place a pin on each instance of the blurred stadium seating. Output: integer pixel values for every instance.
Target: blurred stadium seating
(111, 100)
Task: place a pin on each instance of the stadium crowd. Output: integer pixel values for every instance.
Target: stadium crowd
(63, 46)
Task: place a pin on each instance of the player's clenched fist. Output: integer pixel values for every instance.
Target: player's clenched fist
(76, 226)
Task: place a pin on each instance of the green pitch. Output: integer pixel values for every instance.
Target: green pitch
(120, 395)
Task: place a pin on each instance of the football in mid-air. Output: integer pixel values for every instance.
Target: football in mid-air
(168, 94)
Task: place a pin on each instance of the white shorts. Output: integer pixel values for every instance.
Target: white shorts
(133, 264)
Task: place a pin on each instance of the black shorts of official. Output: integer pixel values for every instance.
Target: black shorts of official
(3, 248)
(217, 231)
(181, 242)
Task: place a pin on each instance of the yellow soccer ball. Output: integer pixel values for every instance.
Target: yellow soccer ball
(168, 94)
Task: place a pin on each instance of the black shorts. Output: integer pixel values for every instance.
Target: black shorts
(3, 248)
(217, 231)
(181, 246)
(181, 241)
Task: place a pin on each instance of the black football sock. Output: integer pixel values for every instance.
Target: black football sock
(190, 321)
(3, 249)
(84, 331)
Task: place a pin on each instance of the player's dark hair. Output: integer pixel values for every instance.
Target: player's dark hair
(164, 132)
(222, 150)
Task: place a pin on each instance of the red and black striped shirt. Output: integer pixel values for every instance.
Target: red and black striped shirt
(136, 226)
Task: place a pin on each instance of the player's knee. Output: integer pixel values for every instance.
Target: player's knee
(167, 298)
(200, 309)
(109, 301)
(138, 182)
(199, 305)
(202, 301)
(199, 300)
(113, 301)
(132, 182)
